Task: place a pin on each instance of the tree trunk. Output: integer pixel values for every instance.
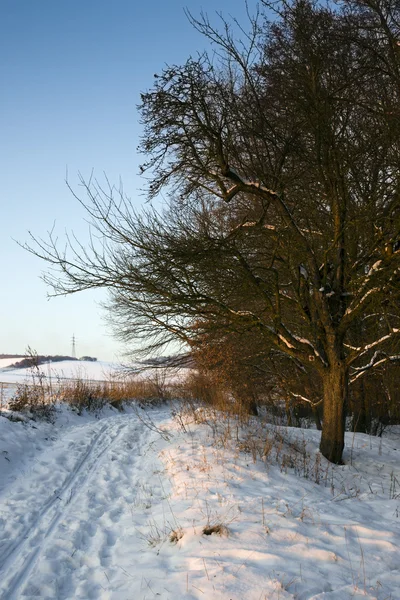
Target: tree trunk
(360, 411)
(288, 410)
(335, 384)
(252, 407)
(317, 418)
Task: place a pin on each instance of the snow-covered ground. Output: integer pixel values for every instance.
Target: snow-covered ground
(67, 369)
(99, 370)
(6, 362)
(53, 374)
(109, 508)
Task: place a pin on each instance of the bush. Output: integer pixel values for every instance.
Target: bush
(33, 399)
(83, 395)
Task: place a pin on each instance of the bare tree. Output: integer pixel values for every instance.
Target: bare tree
(281, 158)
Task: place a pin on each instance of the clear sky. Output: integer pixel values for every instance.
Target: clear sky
(70, 78)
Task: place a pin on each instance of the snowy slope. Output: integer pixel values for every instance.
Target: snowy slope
(66, 369)
(6, 362)
(94, 371)
(110, 509)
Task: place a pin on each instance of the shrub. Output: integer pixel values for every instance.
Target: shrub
(33, 399)
(83, 395)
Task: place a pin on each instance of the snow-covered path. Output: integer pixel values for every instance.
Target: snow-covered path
(108, 509)
(60, 518)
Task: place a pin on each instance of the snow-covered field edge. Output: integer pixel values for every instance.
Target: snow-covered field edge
(142, 505)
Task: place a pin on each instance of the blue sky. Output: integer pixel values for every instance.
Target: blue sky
(71, 74)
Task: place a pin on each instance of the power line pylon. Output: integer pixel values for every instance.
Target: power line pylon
(73, 346)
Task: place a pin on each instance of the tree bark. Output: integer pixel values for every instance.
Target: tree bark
(335, 384)
(252, 407)
(360, 409)
(288, 410)
(317, 418)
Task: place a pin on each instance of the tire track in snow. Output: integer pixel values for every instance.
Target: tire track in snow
(25, 552)
(10, 551)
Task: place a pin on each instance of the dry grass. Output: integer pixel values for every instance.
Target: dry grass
(200, 400)
(255, 436)
(218, 529)
(39, 396)
(32, 399)
(175, 536)
(93, 395)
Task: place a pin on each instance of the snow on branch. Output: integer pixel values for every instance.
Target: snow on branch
(285, 341)
(358, 352)
(350, 310)
(307, 400)
(373, 363)
(313, 348)
(357, 307)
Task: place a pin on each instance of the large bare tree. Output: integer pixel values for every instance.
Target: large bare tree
(281, 157)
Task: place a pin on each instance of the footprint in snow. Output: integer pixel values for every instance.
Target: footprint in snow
(105, 557)
(111, 537)
(81, 540)
(115, 515)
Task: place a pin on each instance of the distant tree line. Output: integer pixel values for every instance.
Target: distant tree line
(39, 359)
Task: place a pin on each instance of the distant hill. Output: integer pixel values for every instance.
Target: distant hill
(178, 360)
(35, 361)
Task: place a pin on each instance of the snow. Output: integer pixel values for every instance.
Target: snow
(303, 271)
(109, 508)
(6, 362)
(351, 309)
(91, 371)
(66, 369)
(285, 341)
(375, 267)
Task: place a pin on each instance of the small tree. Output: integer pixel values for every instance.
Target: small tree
(281, 156)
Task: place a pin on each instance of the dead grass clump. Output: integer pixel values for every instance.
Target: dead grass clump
(145, 391)
(39, 395)
(217, 529)
(93, 395)
(175, 536)
(84, 395)
(32, 400)
(204, 401)
(201, 387)
(24, 398)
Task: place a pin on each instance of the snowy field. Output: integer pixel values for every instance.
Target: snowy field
(67, 369)
(6, 362)
(117, 507)
(99, 370)
(53, 374)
